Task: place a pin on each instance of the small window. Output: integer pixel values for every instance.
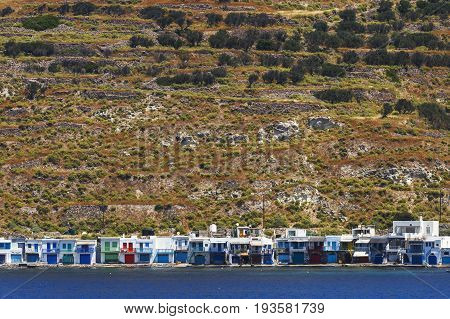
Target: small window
(114, 244)
(64, 246)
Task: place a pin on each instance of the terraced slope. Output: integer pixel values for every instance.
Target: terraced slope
(122, 115)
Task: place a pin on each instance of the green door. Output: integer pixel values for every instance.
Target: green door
(107, 246)
(68, 259)
(111, 258)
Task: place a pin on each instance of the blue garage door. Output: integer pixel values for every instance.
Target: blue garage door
(283, 258)
(2, 259)
(432, 260)
(332, 258)
(52, 259)
(162, 258)
(217, 258)
(200, 260)
(267, 260)
(298, 258)
(181, 257)
(417, 259)
(144, 258)
(446, 260)
(235, 259)
(16, 259)
(85, 259)
(377, 259)
(32, 258)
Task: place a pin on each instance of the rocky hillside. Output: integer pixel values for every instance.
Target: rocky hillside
(121, 115)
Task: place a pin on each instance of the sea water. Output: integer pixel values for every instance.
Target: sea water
(254, 282)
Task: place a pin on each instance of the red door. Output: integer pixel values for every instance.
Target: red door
(130, 247)
(129, 259)
(314, 259)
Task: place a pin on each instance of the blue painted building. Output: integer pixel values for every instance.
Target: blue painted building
(198, 252)
(85, 252)
(332, 246)
(292, 248)
(164, 250)
(50, 251)
(5, 251)
(377, 249)
(218, 250)
(32, 251)
(145, 249)
(181, 243)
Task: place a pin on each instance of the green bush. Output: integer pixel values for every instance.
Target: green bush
(41, 23)
(435, 114)
(335, 95)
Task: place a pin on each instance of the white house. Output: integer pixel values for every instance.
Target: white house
(415, 234)
(363, 231)
(445, 250)
(198, 252)
(295, 232)
(50, 251)
(17, 250)
(181, 245)
(5, 251)
(33, 248)
(331, 247)
(238, 250)
(67, 251)
(85, 252)
(109, 250)
(415, 228)
(145, 249)
(127, 250)
(432, 250)
(164, 250)
(218, 250)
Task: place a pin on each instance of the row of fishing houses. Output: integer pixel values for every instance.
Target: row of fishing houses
(410, 243)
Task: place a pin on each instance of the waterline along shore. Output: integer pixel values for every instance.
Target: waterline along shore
(410, 243)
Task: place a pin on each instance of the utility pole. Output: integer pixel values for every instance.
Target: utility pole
(263, 210)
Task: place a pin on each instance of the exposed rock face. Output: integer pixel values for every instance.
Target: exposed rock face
(322, 123)
(236, 138)
(281, 131)
(16, 111)
(109, 95)
(186, 140)
(405, 175)
(300, 195)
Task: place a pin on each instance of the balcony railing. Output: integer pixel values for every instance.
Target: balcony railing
(196, 249)
(181, 248)
(128, 250)
(31, 251)
(88, 250)
(50, 251)
(145, 250)
(415, 250)
(239, 251)
(110, 250)
(67, 251)
(16, 250)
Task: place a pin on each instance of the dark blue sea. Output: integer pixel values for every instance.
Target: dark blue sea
(168, 283)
